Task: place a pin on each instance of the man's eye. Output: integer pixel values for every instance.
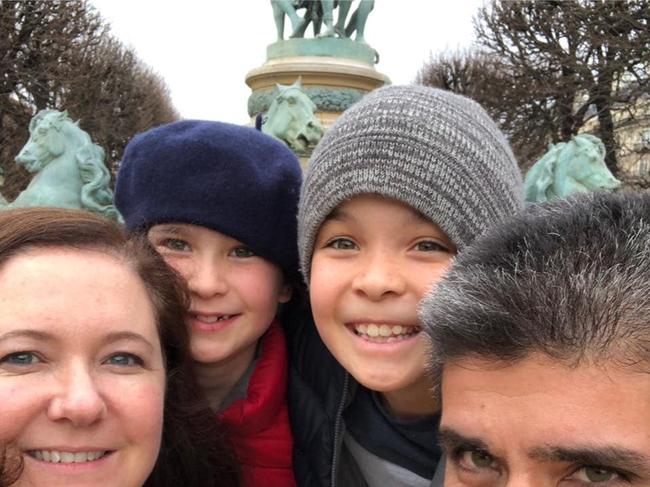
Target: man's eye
(475, 459)
(595, 474)
(430, 246)
(342, 244)
(175, 244)
(124, 360)
(242, 252)
(20, 359)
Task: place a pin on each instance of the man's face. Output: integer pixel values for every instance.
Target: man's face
(540, 423)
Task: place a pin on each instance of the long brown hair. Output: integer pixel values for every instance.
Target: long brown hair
(194, 451)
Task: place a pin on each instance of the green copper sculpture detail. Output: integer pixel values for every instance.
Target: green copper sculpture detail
(68, 168)
(319, 12)
(577, 166)
(291, 118)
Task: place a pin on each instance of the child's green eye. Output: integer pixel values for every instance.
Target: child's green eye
(430, 246)
(175, 244)
(342, 244)
(242, 252)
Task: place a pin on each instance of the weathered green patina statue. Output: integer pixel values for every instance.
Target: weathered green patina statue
(291, 118)
(68, 168)
(577, 166)
(319, 12)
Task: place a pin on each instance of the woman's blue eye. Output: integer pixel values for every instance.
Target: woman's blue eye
(175, 244)
(242, 252)
(20, 358)
(342, 244)
(125, 360)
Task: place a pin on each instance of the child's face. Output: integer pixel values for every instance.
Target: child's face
(374, 260)
(234, 293)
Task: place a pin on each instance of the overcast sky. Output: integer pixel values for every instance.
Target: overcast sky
(204, 48)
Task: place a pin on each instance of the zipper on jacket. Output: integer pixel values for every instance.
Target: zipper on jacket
(337, 431)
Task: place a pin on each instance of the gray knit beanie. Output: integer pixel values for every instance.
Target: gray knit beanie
(438, 152)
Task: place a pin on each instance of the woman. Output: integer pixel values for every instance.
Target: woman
(95, 385)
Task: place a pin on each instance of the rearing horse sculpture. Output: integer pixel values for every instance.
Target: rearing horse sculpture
(291, 118)
(69, 169)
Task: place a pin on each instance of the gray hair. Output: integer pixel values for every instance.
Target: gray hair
(569, 279)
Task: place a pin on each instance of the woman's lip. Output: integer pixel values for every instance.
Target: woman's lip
(74, 466)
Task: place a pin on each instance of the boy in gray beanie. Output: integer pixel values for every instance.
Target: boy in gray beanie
(401, 182)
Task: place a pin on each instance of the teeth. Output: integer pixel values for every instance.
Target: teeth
(213, 319)
(66, 457)
(386, 333)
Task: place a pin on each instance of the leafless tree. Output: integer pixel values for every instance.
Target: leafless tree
(558, 66)
(60, 54)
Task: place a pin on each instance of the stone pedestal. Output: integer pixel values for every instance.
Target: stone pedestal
(335, 74)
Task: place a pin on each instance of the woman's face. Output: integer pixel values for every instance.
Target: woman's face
(82, 377)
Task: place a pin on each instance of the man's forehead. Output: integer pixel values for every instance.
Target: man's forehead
(548, 411)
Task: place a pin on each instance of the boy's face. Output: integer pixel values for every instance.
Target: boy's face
(234, 293)
(540, 423)
(374, 260)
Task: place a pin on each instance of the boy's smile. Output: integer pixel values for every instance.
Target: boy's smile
(374, 260)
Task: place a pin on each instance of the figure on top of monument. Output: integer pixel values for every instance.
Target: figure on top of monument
(321, 12)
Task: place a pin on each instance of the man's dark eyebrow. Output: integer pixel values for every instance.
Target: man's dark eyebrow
(608, 456)
(33, 334)
(451, 440)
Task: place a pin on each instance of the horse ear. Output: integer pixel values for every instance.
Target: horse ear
(298, 83)
(280, 87)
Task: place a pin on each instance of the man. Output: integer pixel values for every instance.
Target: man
(541, 346)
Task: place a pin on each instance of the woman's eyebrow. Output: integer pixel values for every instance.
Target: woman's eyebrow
(609, 456)
(27, 333)
(127, 335)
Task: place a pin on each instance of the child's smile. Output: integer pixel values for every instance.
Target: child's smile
(374, 260)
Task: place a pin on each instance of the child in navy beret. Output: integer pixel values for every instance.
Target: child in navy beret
(219, 202)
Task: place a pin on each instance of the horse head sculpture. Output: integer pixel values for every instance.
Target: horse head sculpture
(68, 168)
(577, 166)
(291, 118)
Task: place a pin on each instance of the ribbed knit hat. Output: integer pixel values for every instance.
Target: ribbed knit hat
(438, 152)
(229, 178)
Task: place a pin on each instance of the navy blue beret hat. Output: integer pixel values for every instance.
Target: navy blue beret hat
(229, 178)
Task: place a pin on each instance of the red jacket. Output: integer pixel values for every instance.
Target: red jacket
(259, 423)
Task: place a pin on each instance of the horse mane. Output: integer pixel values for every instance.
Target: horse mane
(96, 194)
